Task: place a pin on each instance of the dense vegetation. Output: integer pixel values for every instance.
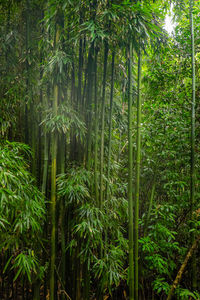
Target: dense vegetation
(99, 152)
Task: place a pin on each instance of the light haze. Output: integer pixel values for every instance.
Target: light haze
(169, 24)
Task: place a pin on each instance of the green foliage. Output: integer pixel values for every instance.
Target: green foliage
(109, 270)
(22, 205)
(160, 248)
(74, 185)
(63, 121)
(25, 263)
(91, 223)
(184, 294)
(55, 66)
(22, 209)
(161, 286)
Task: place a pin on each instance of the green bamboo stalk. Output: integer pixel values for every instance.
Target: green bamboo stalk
(37, 280)
(73, 152)
(62, 217)
(100, 292)
(78, 271)
(137, 185)
(34, 138)
(96, 132)
(39, 154)
(90, 95)
(192, 184)
(45, 173)
(130, 175)
(36, 289)
(53, 189)
(80, 76)
(53, 203)
(102, 124)
(80, 68)
(45, 167)
(46, 138)
(26, 125)
(89, 103)
(110, 123)
(150, 206)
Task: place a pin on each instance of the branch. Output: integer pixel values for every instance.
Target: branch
(182, 268)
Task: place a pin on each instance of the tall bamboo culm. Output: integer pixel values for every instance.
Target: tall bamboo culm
(96, 132)
(130, 175)
(53, 188)
(137, 184)
(192, 184)
(110, 124)
(26, 123)
(102, 124)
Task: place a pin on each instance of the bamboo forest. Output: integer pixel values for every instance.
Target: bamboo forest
(99, 150)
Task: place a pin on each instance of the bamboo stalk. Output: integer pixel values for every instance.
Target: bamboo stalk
(53, 189)
(137, 187)
(26, 120)
(62, 216)
(130, 175)
(96, 133)
(89, 103)
(110, 123)
(102, 124)
(150, 205)
(192, 183)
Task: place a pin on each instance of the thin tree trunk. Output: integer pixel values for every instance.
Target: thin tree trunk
(130, 175)
(137, 187)
(182, 268)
